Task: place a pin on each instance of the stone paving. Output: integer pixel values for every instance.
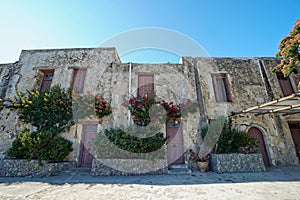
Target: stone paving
(275, 183)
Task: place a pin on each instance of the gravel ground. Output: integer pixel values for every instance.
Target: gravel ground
(276, 183)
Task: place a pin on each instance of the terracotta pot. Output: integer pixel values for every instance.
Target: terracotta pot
(203, 166)
(141, 122)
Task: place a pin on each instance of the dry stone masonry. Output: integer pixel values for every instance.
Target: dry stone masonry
(248, 80)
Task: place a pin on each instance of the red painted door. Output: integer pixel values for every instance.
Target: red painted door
(295, 131)
(88, 134)
(256, 134)
(174, 145)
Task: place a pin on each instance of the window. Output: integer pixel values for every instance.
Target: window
(221, 88)
(47, 79)
(78, 78)
(146, 85)
(285, 84)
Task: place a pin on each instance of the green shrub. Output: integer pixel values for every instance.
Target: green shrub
(57, 149)
(118, 144)
(134, 144)
(18, 150)
(231, 139)
(41, 145)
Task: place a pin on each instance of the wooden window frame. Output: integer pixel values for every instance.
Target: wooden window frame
(222, 76)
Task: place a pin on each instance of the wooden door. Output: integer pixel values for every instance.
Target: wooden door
(285, 84)
(295, 131)
(88, 134)
(256, 134)
(174, 145)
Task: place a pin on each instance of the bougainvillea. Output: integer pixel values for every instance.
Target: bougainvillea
(140, 108)
(289, 51)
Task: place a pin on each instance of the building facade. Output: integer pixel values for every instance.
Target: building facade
(219, 86)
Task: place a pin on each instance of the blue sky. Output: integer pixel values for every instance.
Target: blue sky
(224, 28)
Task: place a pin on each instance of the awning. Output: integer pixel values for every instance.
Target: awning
(287, 105)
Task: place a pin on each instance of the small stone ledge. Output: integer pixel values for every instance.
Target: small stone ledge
(127, 167)
(237, 162)
(21, 168)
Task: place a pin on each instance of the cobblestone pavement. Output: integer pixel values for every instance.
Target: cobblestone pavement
(276, 183)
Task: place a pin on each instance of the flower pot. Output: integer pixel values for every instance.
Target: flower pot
(140, 122)
(203, 166)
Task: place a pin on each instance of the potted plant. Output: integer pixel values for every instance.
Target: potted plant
(201, 159)
(139, 108)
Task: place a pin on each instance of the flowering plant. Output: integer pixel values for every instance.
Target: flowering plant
(139, 108)
(195, 157)
(88, 105)
(289, 51)
(172, 110)
(102, 107)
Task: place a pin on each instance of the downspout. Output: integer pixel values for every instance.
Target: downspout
(129, 93)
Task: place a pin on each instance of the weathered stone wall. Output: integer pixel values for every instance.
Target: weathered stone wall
(9, 126)
(95, 60)
(20, 168)
(25, 74)
(127, 167)
(251, 83)
(228, 163)
(172, 82)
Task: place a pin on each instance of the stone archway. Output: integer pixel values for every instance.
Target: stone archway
(255, 133)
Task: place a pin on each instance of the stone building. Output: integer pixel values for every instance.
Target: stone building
(219, 86)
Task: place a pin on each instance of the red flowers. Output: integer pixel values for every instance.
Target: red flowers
(196, 157)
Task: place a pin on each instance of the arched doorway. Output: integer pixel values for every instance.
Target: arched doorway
(255, 133)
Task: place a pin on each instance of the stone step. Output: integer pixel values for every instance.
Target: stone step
(178, 166)
(179, 171)
(79, 171)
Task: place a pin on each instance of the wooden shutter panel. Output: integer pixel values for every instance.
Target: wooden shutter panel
(146, 86)
(285, 84)
(47, 80)
(78, 80)
(221, 88)
(221, 91)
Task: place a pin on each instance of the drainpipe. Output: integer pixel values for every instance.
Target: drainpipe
(129, 93)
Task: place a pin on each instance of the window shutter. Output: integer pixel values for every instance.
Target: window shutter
(47, 80)
(285, 84)
(221, 88)
(146, 86)
(78, 80)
